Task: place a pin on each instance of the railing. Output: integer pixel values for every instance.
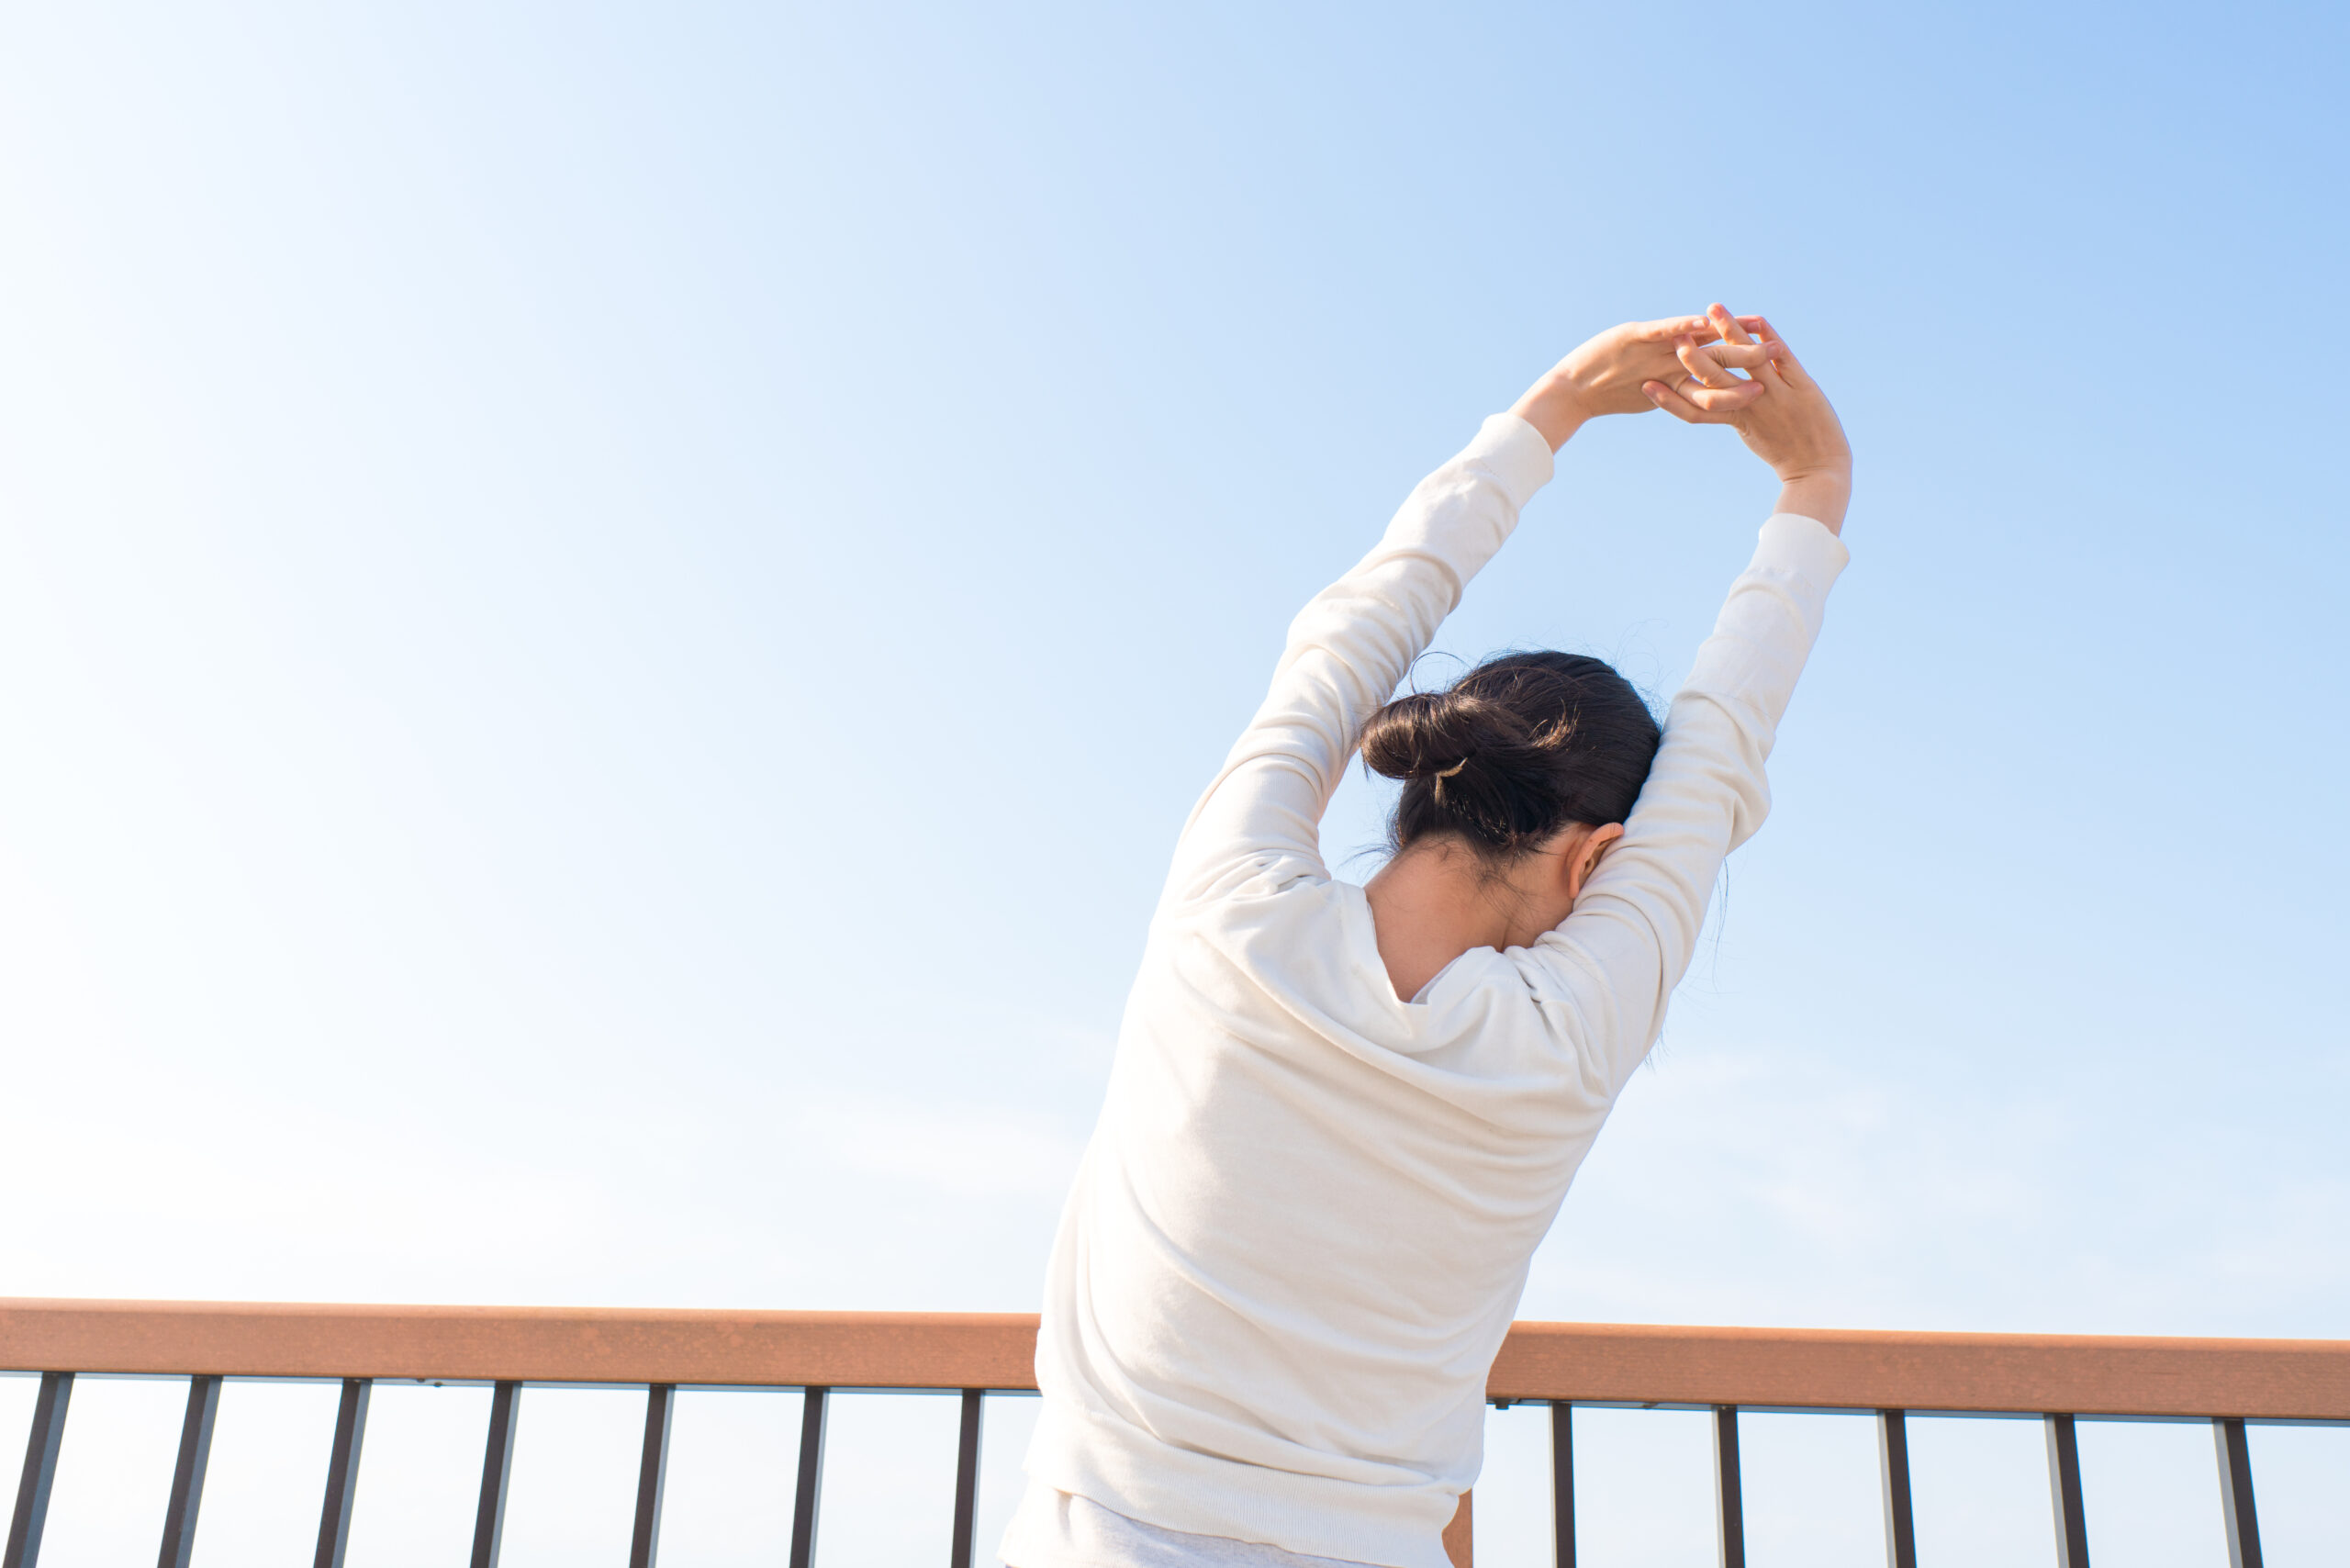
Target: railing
(2056, 1379)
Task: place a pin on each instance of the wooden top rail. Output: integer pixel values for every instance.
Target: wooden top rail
(1596, 1363)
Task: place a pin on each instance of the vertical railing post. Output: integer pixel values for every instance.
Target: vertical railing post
(967, 1479)
(41, 1447)
(187, 1471)
(2235, 1491)
(343, 1472)
(1731, 1504)
(497, 1471)
(807, 1492)
(1562, 1480)
(651, 1475)
(1893, 1457)
(2065, 1493)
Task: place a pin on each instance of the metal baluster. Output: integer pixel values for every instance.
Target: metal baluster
(811, 1480)
(652, 1474)
(1562, 1480)
(2235, 1491)
(967, 1479)
(41, 1447)
(187, 1473)
(1900, 1525)
(342, 1471)
(1732, 1514)
(2064, 1494)
(496, 1470)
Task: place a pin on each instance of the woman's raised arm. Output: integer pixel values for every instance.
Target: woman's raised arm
(1257, 826)
(1635, 927)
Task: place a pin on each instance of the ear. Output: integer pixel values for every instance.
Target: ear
(1585, 859)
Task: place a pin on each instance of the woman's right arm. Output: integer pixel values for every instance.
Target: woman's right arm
(1258, 824)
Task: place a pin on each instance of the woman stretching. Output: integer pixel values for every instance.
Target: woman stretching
(1342, 1117)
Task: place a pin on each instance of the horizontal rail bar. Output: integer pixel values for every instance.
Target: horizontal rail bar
(482, 1344)
(1596, 1363)
(1884, 1370)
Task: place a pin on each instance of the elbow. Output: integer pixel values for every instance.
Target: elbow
(1748, 809)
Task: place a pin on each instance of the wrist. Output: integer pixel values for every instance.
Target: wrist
(1822, 494)
(1551, 407)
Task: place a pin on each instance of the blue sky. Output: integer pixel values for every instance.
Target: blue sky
(607, 615)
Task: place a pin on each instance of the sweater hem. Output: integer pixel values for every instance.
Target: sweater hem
(1129, 1471)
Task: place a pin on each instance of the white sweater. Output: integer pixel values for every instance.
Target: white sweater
(1306, 1217)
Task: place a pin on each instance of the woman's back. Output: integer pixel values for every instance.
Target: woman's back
(1325, 1211)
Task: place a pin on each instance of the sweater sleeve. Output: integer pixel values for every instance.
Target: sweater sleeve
(1257, 826)
(1634, 930)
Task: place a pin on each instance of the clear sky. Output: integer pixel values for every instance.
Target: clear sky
(607, 614)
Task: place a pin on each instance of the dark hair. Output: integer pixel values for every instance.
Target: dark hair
(1514, 751)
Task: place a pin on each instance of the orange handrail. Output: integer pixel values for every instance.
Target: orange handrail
(1587, 1362)
(2058, 1376)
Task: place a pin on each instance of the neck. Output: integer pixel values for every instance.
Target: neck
(1438, 899)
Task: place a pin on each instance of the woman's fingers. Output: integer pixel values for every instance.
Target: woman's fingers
(1672, 403)
(1770, 336)
(1700, 327)
(1723, 399)
(1709, 364)
(1727, 325)
(1789, 366)
(1679, 327)
(1686, 410)
(1698, 359)
(1740, 356)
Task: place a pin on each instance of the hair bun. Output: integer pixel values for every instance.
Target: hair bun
(1431, 735)
(1512, 749)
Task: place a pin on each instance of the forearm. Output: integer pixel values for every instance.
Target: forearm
(1745, 674)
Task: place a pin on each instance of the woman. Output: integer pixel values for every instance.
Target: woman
(1342, 1117)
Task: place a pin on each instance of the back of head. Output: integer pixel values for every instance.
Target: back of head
(1514, 751)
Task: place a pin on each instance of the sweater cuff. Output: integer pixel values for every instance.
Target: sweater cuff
(1802, 546)
(1514, 453)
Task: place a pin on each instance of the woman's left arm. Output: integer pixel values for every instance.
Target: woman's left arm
(1628, 941)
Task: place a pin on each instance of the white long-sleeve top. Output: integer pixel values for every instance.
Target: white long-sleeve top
(1306, 1217)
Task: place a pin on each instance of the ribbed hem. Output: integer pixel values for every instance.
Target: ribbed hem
(1129, 1471)
(1060, 1530)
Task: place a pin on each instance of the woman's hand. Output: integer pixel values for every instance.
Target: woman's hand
(1792, 428)
(1607, 373)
